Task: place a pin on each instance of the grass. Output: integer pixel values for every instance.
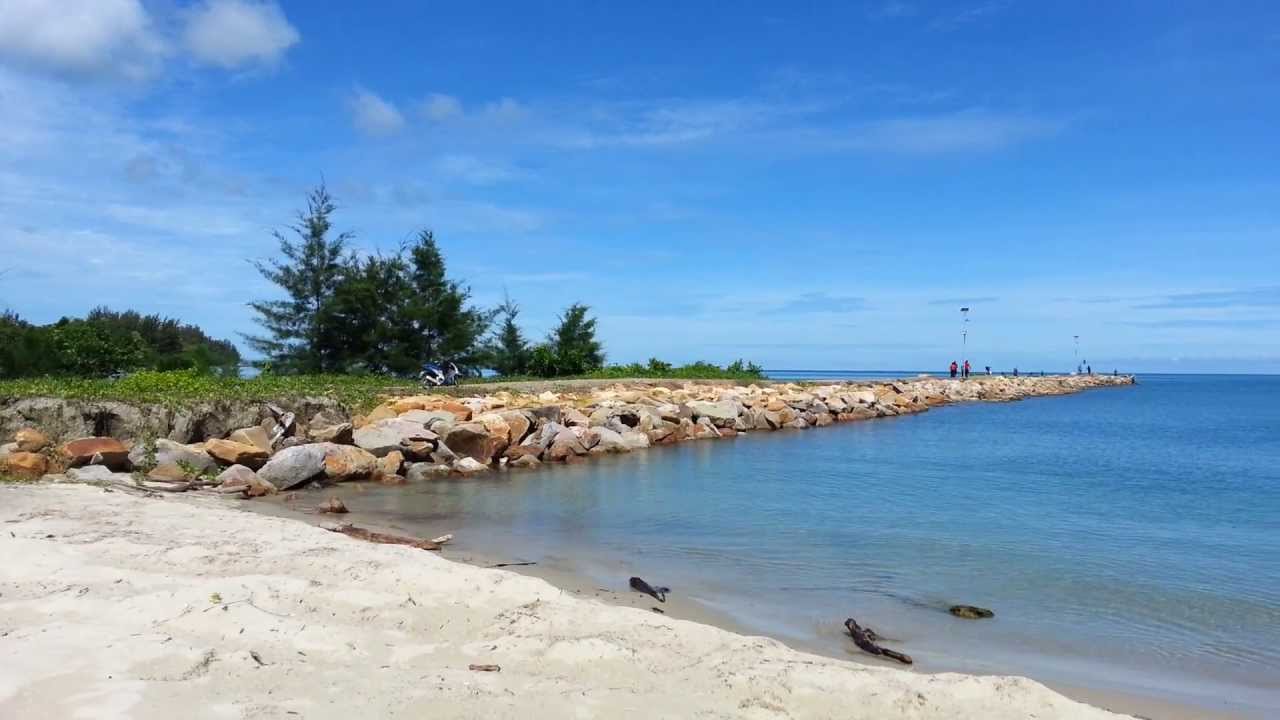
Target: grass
(185, 388)
(359, 392)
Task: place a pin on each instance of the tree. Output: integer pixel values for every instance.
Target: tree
(445, 327)
(572, 348)
(313, 264)
(367, 320)
(509, 351)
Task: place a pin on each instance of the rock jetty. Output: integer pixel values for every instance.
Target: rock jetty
(426, 437)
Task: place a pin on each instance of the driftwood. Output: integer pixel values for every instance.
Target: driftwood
(865, 638)
(512, 564)
(658, 593)
(385, 538)
(484, 668)
(442, 539)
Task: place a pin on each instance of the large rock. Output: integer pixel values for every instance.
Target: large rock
(295, 466)
(635, 440)
(97, 474)
(573, 417)
(340, 433)
(389, 465)
(426, 417)
(236, 476)
(721, 414)
(348, 462)
(96, 451)
(255, 436)
(469, 466)
(26, 464)
(476, 441)
(168, 452)
(525, 461)
(30, 440)
(565, 445)
(520, 422)
(384, 436)
(546, 414)
(418, 472)
(229, 452)
(606, 441)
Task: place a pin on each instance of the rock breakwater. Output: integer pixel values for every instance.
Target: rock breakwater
(255, 451)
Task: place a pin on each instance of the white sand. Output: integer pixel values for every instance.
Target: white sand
(105, 611)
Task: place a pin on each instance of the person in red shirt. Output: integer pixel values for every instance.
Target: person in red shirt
(966, 368)
(954, 368)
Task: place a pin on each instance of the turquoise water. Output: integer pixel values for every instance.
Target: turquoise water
(1127, 539)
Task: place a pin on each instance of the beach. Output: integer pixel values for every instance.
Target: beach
(122, 606)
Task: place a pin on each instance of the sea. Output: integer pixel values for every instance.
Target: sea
(1127, 539)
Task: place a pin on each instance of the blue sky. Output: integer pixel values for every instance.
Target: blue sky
(817, 186)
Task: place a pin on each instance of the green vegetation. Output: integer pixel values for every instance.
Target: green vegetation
(107, 342)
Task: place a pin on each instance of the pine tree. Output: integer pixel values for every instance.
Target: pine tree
(445, 326)
(367, 321)
(573, 343)
(509, 353)
(309, 273)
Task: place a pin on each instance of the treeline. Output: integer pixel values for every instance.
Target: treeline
(391, 314)
(107, 342)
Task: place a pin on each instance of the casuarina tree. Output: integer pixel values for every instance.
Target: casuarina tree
(509, 351)
(444, 326)
(572, 348)
(308, 273)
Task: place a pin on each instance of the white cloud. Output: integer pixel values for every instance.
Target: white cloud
(505, 110)
(474, 170)
(963, 131)
(439, 107)
(236, 33)
(87, 38)
(373, 115)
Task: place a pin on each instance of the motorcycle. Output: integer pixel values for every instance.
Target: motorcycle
(438, 375)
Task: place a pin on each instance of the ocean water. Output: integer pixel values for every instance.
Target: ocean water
(1127, 539)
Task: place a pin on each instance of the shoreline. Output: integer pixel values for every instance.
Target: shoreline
(122, 605)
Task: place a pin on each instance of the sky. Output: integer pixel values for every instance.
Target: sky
(804, 185)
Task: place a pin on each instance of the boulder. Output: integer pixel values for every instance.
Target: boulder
(384, 436)
(229, 452)
(863, 397)
(390, 465)
(720, 413)
(426, 417)
(26, 464)
(419, 472)
(255, 436)
(168, 472)
(382, 412)
(497, 426)
(168, 452)
(295, 466)
(607, 441)
(525, 461)
(572, 417)
(635, 440)
(340, 433)
(96, 474)
(237, 476)
(343, 463)
(970, 612)
(6, 449)
(30, 440)
(515, 452)
(461, 413)
(475, 440)
(565, 445)
(520, 422)
(96, 451)
(469, 466)
(546, 414)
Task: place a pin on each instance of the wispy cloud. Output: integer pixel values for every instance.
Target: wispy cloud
(973, 13)
(1196, 323)
(677, 122)
(894, 9)
(970, 130)
(1251, 297)
(965, 300)
(474, 170)
(819, 302)
(439, 107)
(372, 114)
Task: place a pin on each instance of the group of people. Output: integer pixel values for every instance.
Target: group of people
(962, 369)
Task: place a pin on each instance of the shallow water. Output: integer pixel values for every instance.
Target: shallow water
(1127, 539)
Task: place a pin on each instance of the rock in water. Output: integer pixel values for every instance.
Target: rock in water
(333, 505)
(229, 452)
(294, 466)
(970, 612)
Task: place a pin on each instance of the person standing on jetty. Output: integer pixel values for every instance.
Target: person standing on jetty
(966, 369)
(954, 368)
